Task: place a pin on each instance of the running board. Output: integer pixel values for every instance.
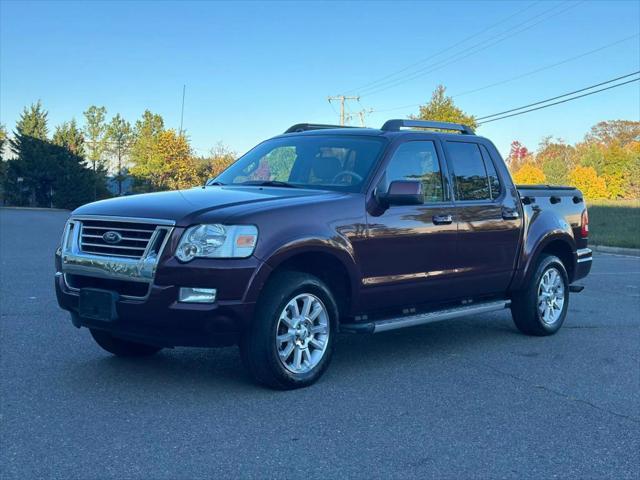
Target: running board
(423, 318)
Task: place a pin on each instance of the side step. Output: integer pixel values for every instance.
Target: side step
(422, 318)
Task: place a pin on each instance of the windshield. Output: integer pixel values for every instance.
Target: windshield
(338, 162)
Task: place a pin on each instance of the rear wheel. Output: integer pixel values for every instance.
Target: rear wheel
(541, 308)
(121, 347)
(290, 342)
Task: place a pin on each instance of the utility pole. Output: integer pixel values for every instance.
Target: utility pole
(342, 99)
(362, 114)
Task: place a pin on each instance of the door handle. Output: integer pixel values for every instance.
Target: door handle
(442, 219)
(510, 213)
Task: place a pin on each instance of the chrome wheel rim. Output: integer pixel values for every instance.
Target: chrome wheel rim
(302, 334)
(551, 296)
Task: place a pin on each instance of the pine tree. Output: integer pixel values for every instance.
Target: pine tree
(69, 136)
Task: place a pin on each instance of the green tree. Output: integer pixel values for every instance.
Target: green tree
(30, 175)
(95, 131)
(441, 108)
(69, 136)
(3, 139)
(120, 136)
(145, 158)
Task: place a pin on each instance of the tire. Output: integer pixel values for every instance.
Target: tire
(541, 308)
(120, 347)
(270, 346)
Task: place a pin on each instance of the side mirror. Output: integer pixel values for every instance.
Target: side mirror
(403, 192)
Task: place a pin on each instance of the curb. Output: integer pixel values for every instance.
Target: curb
(634, 252)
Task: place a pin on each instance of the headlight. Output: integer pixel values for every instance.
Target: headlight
(217, 241)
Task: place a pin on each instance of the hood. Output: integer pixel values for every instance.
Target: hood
(185, 206)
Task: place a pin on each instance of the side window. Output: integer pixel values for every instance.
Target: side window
(469, 171)
(494, 181)
(418, 161)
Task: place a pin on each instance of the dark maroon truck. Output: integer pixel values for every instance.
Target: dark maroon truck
(324, 230)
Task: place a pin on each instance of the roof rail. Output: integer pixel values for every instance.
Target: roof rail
(303, 127)
(397, 124)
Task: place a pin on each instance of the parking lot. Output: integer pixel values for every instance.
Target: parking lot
(468, 398)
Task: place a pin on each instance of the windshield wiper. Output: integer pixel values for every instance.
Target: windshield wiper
(213, 184)
(269, 183)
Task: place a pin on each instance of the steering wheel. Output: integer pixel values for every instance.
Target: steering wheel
(345, 173)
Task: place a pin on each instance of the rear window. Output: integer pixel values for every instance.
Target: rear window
(474, 174)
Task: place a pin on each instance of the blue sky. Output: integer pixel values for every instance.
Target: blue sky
(252, 69)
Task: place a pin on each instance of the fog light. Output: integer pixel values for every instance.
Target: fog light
(197, 295)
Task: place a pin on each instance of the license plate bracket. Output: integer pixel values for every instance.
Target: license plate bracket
(98, 304)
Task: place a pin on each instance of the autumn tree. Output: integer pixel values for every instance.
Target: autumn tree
(618, 131)
(179, 169)
(518, 155)
(219, 158)
(441, 108)
(529, 174)
(590, 184)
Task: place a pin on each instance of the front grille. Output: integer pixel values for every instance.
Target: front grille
(134, 239)
(123, 287)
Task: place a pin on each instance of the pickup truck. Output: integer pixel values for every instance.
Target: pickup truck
(324, 230)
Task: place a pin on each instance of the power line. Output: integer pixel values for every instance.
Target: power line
(561, 101)
(559, 96)
(420, 62)
(472, 50)
(523, 75)
(546, 67)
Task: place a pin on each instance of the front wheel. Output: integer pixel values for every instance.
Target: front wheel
(541, 308)
(290, 341)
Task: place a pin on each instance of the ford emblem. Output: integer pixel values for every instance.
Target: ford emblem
(112, 237)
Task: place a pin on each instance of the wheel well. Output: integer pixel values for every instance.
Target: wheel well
(328, 269)
(561, 250)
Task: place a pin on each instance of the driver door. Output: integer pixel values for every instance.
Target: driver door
(408, 254)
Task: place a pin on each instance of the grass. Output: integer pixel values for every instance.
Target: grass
(615, 223)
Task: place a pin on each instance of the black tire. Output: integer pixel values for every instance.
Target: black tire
(121, 347)
(258, 346)
(524, 304)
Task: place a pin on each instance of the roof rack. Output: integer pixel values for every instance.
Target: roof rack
(397, 124)
(303, 127)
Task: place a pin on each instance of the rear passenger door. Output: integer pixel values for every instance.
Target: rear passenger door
(488, 233)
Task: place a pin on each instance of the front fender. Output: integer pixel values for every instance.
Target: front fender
(337, 247)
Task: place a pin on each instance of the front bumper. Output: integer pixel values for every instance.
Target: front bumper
(147, 309)
(159, 319)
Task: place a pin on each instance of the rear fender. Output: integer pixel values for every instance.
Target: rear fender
(544, 227)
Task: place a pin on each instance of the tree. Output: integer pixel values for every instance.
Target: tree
(95, 131)
(442, 109)
(590, 184)
(555, 158)
(145, 158)
(614, 131)
(3, 140)
(518, 155)
(179, 168)
(69, 136)
(30, 176)
(120, 137)
(220, 157)
(529, 174)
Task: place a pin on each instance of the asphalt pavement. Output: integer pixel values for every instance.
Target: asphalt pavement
(466, 398)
